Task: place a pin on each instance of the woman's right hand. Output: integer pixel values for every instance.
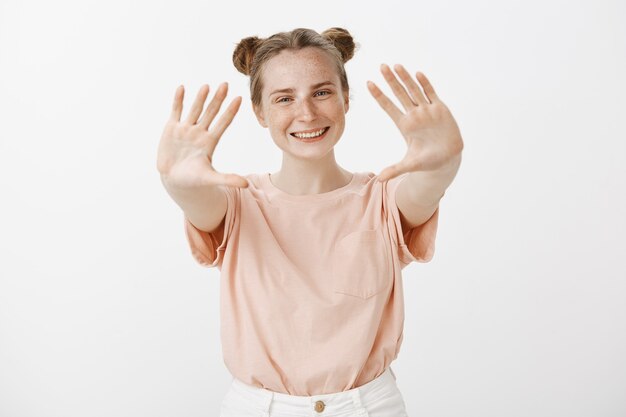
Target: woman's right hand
(185, 152)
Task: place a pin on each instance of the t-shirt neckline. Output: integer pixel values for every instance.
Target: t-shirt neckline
(276, 192)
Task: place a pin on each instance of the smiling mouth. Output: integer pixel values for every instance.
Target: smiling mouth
(309, 135)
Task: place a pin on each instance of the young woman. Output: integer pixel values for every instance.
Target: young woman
(312, 307)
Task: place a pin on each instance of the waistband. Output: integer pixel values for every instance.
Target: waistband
(327, 405)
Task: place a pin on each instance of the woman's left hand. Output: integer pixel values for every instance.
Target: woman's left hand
(431, 133)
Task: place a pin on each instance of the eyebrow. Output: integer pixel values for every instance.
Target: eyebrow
(290, 90)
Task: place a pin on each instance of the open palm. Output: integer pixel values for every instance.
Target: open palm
(432, 135)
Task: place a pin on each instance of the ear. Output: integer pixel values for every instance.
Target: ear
(346, 98)
(258, 112)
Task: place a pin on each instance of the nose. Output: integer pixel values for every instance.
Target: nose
(306, 110)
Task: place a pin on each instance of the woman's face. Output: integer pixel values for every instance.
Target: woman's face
(302, 94)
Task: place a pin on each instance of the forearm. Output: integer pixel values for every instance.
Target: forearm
(204, 206)
(425, 188)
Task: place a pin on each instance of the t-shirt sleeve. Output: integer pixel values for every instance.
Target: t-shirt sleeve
(416, 244)
(208, 248)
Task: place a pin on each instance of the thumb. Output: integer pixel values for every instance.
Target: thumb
(393, 171)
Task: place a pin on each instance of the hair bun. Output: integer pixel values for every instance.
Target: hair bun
(244, 53)
(342, 40)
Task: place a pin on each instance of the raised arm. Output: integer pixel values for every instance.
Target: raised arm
(434, 144)
(185, 154)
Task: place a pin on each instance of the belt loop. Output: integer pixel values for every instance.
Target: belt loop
(357, 401)
(265, 412)
(356, 398)
(394, 375)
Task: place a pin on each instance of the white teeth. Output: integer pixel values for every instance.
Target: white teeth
(310, 135)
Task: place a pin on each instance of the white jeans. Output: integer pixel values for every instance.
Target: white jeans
(378, 398)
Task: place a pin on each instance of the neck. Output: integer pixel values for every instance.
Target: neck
(303, 177)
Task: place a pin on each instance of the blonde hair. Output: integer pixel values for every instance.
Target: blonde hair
(252, 53)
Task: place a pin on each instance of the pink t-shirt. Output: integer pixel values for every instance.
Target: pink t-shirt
(311, 293)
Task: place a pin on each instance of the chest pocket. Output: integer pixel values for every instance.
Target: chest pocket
(360, 265)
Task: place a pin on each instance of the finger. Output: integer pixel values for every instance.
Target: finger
(392, 110)
(198, 103)
(428, 88)
(177, 105)
(416, 93)
(397, 88)
(214, 106)
(227, 117)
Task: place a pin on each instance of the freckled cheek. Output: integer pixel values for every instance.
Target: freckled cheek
(280, 123)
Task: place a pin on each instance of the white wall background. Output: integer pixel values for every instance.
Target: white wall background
(103, 311)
